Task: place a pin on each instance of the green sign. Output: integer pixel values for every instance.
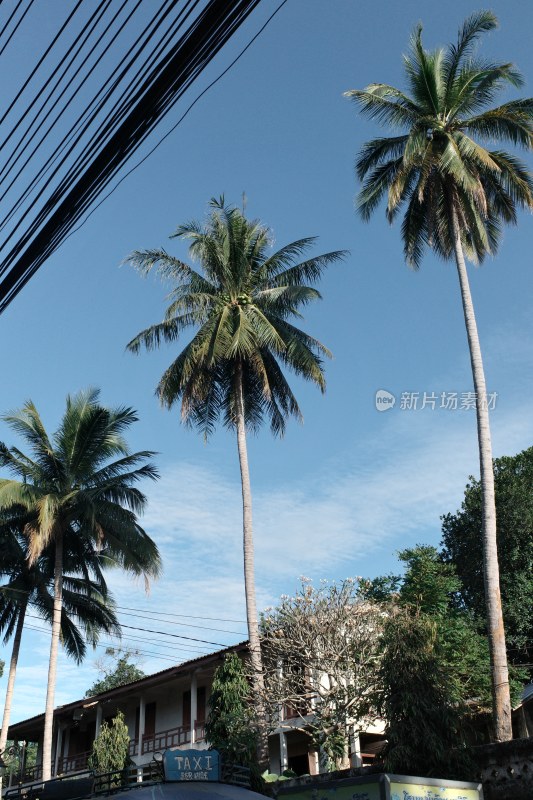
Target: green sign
(421, 791)
(381, 786)
(367, 791)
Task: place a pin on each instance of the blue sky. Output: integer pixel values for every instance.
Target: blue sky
(344, 491)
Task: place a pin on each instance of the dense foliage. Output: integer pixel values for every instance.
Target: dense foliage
(77, 490)
(28, 585)
(437, 168)
(434, 674)
(110, 749)
(231, 727)
(462, 547)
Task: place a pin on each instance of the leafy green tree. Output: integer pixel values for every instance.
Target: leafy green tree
(239, 304)
(78, 484)
(110, 751)
(462, 547)
(121, 672)
(87, 611)
(457, 193)
(434, 673)
(231, 725)
(421, 700)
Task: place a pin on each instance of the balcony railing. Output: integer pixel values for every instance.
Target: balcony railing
(73, 763)
(163, 740)
(151, 743)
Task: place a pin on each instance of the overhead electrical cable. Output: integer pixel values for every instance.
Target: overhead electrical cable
(19, 222)
(141, 90)
(180, 120)
(41, 60)
(38, 122)
(150, 616)
(171, 635)
(177, 659)
(152, 612)
(17, 25)
(80, 127)
(100, 98)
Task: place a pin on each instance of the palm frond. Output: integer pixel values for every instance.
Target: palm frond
(285, 301)
(375, 152)
(477, 86)
(476, 23)
(281, 260)
(376, 105)
(309, 271)
(375, 186)
(414, 231)
(438, 165)
(424, 71)
(512, 122)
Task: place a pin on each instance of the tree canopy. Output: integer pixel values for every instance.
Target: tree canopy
(77, 488)
(110, 750)
(437, 167)
(434, 673)
(461, 542)
(118, 670)
(321, 651)
(231, 726)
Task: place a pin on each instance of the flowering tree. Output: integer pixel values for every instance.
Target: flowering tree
(321, 658)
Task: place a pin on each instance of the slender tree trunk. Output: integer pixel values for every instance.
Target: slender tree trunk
(11, 678)
(249, 573)
(501, 701)
(52, 667)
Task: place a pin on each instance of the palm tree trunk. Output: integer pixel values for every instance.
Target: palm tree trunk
(11, 678)
(258, 683)
(52, 667)
(501, 701)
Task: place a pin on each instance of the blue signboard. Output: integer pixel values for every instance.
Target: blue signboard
(191, 765)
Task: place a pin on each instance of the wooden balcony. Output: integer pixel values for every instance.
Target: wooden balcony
(151, 743)
(73, 763)
(163, 740)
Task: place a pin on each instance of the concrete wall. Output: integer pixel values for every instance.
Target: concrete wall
(506, 769)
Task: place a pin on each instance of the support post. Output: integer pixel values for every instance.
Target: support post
(142, 717)
(283, 755)
(194, 706)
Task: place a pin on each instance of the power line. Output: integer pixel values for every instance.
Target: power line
(153, 614)
(180, 120)
(122, 116)
(164, 633)
(17, 25)
(186, 616)
(148, 653)
(184, 624)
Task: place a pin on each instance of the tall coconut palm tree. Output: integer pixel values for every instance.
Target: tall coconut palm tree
(239, 305)
(80, 483)
(88, 608)
(457, 193)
